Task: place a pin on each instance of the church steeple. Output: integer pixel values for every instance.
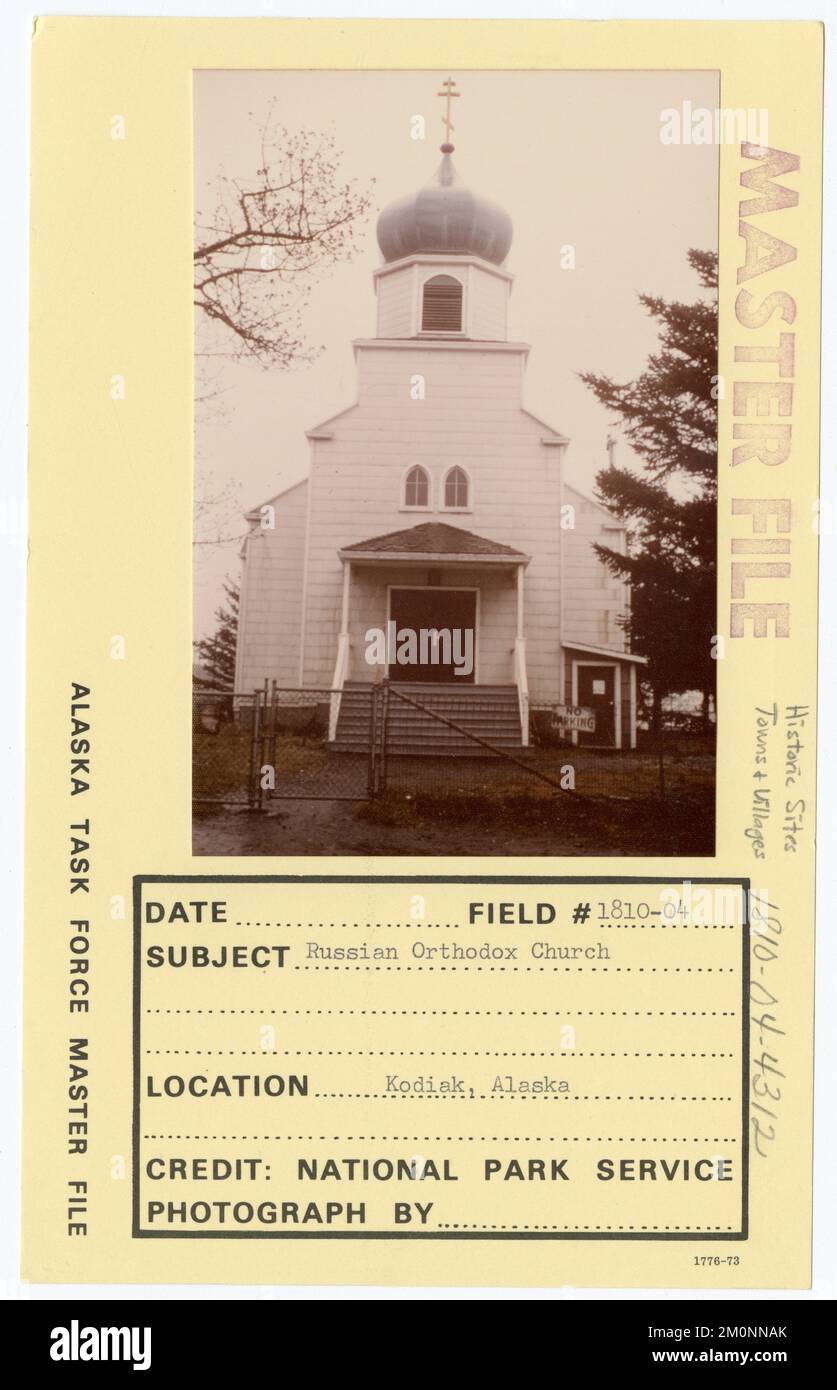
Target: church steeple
(456, 238)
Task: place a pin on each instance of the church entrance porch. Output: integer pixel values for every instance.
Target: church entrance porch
(433, 605)
(432, 634)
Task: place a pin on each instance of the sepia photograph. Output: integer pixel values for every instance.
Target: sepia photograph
(455, 473)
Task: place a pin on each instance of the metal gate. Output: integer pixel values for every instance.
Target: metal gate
(283, 743)
(274, 744)
(249, 747)
(317, 744)
(457, 759)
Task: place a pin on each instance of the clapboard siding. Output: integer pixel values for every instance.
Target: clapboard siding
(488, 299)
(271, 596)
(471, 416)
(593, 599)
(396, 300)
(439, 403)
(485, 299)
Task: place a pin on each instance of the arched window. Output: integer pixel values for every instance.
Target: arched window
(456, 488)
(416, 488)
(441, 310)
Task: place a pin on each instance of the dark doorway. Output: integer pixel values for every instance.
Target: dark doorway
(596, 686)
(452, 613)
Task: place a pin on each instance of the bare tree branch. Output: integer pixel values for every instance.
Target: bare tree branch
(269, 238)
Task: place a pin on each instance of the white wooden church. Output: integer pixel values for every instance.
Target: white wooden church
(436, 502)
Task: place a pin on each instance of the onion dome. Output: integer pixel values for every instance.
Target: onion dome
(444, 218)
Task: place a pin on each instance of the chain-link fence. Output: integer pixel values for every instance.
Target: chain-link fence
(375, 741)
(221, 750)
(274, 742)
(478, 752)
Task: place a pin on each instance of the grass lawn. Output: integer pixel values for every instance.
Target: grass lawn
(221, 768)
(221, 762)
(450, 805)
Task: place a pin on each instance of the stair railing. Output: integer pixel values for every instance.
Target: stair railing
(395, 695)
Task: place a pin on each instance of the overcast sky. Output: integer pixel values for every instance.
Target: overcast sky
(575, 158)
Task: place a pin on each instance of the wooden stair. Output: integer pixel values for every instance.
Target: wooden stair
(489, 711)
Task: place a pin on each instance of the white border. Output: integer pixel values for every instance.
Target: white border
(16, 21)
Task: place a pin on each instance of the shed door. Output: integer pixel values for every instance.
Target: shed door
(596, 688)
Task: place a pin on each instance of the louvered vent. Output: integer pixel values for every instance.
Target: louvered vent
(442, 305)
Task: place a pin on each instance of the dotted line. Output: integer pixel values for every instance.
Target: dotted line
(535, 969)
(470, 1013)
(414, 926)
(669, 926)
(468, 1138)
(374, 1053)
(469, 1226)
(212, 1052)
(501, 1095)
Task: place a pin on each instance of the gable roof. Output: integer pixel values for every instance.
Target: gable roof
(558, 437)
(255, 512)
(432, 538)
(613, 517)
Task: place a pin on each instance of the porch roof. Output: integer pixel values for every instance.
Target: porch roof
(434, 541)
(604, 652)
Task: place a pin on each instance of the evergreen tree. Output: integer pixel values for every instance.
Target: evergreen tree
(217, 653)
(669, 417)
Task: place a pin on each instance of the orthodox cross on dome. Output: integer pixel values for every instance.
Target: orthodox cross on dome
(448, 92)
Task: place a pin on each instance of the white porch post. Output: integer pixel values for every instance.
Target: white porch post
(520, 628)
(520, 664)
(344, 616)
(342, 664)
